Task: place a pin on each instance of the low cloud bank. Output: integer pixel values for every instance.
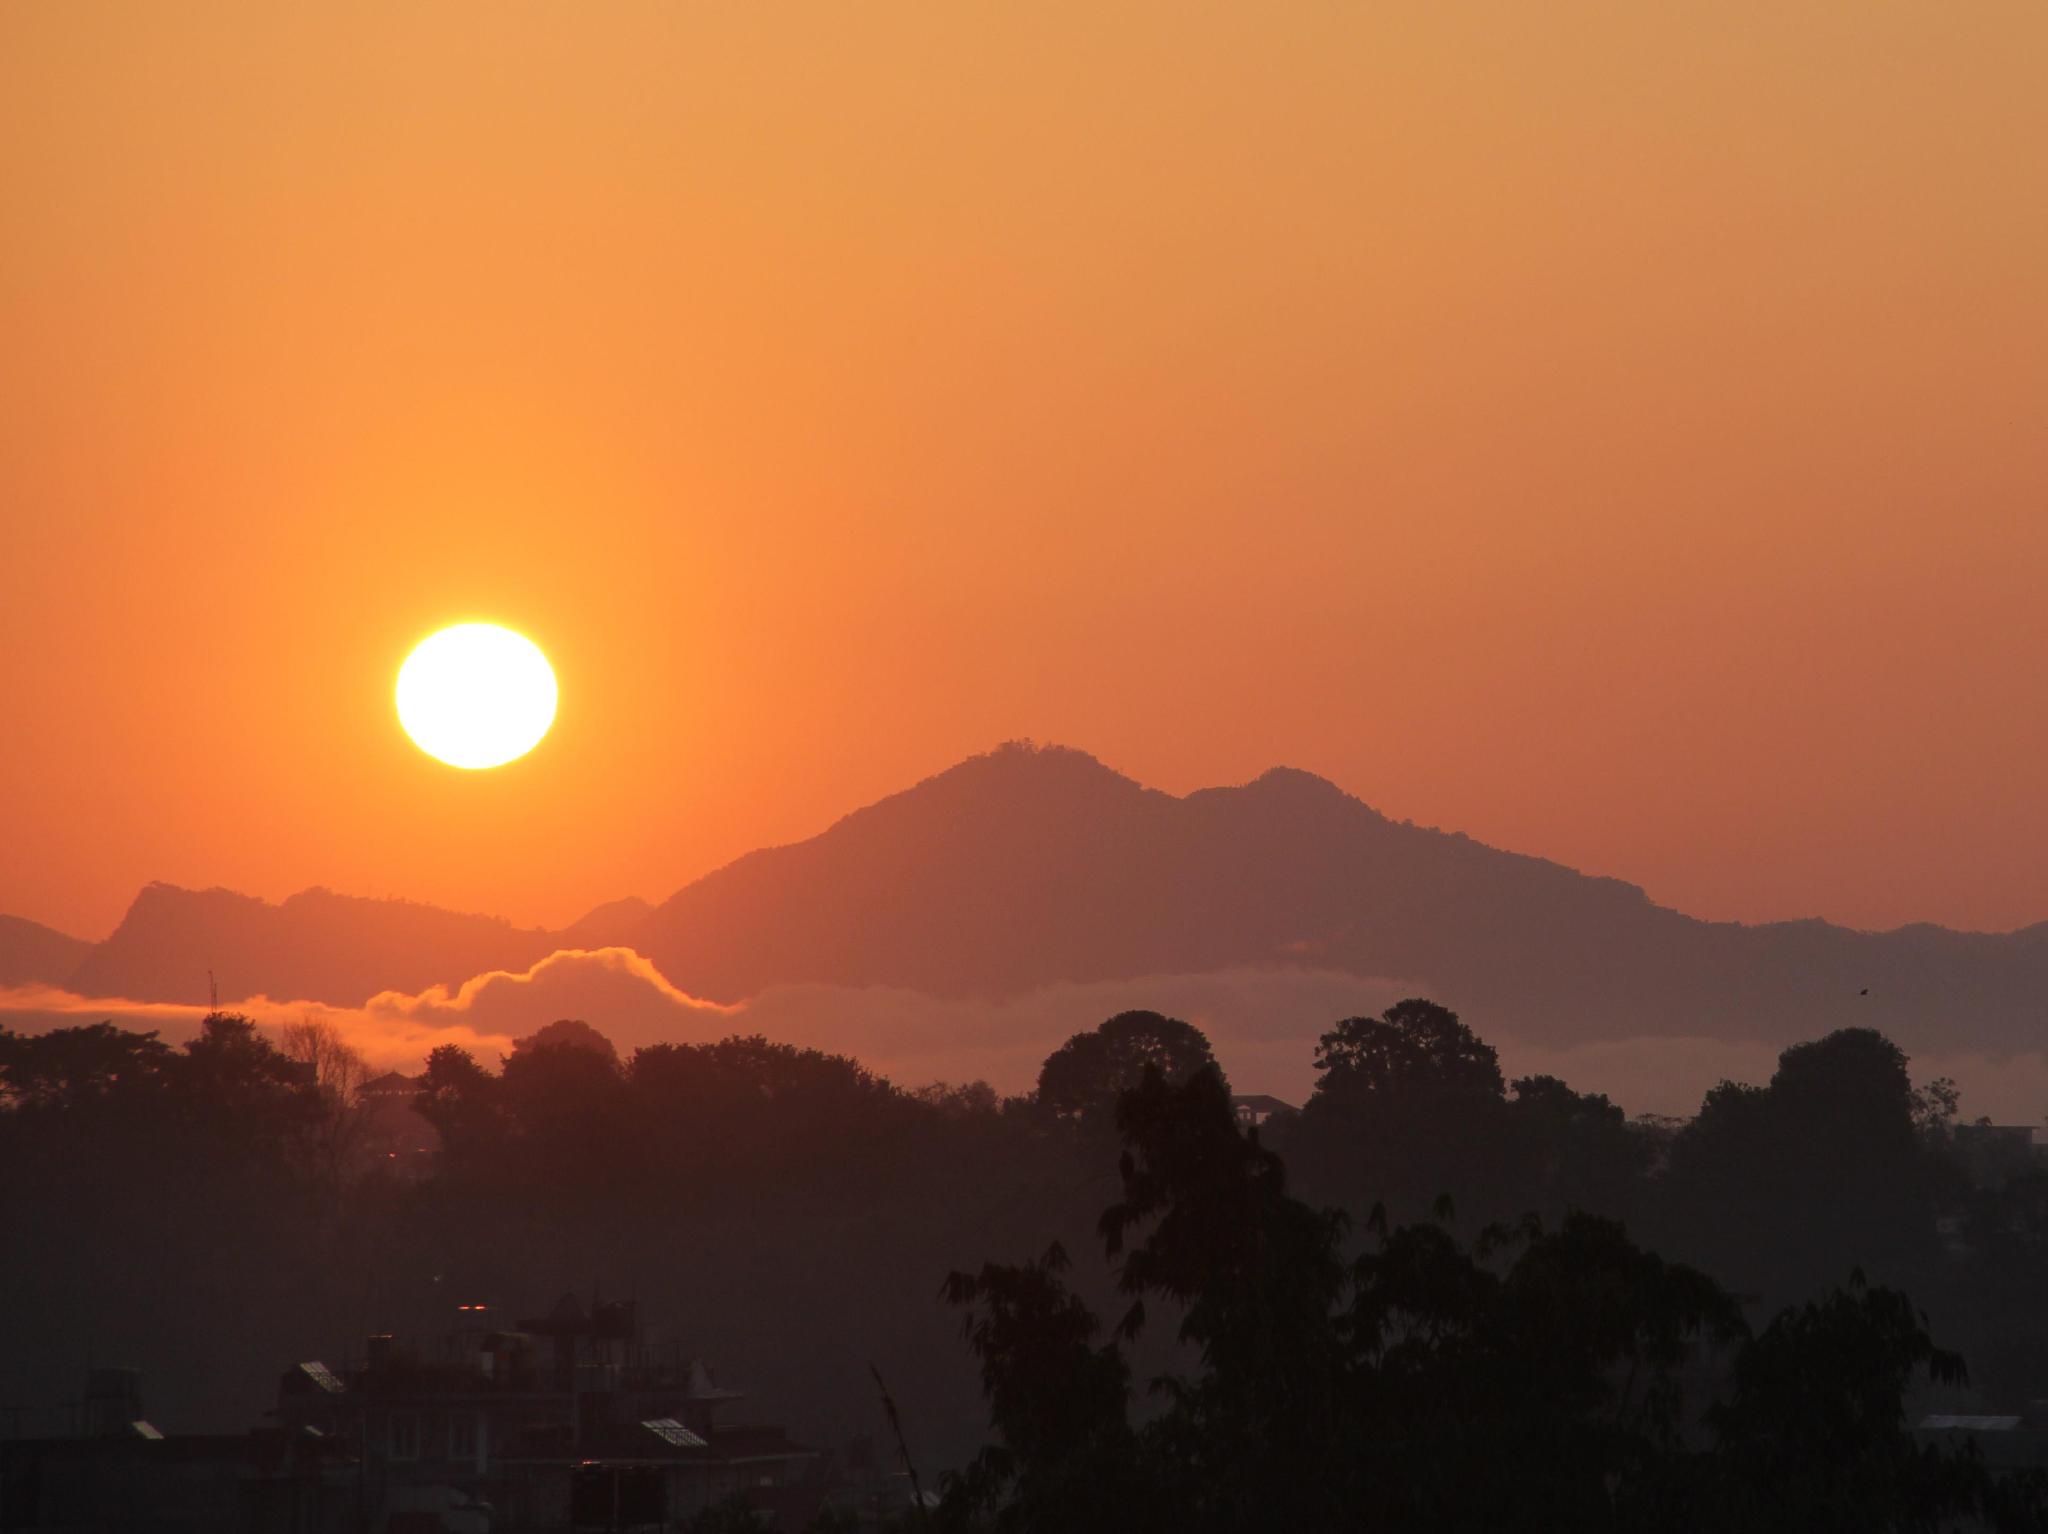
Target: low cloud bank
(1263, 1023)
(390, 1043)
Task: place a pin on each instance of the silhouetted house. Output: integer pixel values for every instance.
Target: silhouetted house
(100, 1466)
(2007, 1442)
(1254, 1109)
(395, 1133)
(562, 1421)
(389, 1087)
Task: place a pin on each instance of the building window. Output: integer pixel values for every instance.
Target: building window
(462, 1437)
(405, 1435)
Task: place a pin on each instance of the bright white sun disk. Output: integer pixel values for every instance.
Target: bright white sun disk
(476, 695)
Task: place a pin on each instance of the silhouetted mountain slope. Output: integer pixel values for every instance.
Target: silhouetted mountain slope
(316, 946)
(1026, 867)
(1029, 867)
(32, 954)
(615, 924)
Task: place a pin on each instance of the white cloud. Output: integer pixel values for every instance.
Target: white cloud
(391, 1042)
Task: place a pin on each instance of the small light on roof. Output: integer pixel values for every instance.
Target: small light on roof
(145, 1430)
(322, 1376)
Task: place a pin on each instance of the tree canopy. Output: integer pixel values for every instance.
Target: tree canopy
(1415, 1052)
(1441, 1298)
(1535, 1379)
(1085, 1076)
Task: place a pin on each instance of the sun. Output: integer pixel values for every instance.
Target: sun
(476, 695)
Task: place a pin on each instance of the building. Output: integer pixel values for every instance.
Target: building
(566, 1421)
(98, 1466)
(1255, 1109)
(2007, 1443)
(562, 1421)
(395, 1135)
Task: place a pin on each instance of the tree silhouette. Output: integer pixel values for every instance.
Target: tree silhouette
(1256, 1275)
(1409, 1108)
(68, 1067)
(463, 1102)
(1566, 1150)
(1537, 1379)
(1414, 1052)
(1318, 1371)
(1822, 1170)
(1068, 1458)
(233, 1085)
(338, 1073)
(562, 1095)
(1085, 1076)
(1814, 1436)
(570, 1033)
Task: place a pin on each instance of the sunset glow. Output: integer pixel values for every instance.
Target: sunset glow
(1385, 653)
(1466, 405)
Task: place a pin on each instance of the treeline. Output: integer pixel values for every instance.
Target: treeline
(1326, 1286)
(1536, 1379)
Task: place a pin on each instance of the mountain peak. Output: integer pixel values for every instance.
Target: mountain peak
(1294, 782)
(161, 892)
(1017, 780)
(1017, 762)
(315, 946)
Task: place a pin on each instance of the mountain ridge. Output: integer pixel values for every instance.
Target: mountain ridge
(315, 945)
(33, 954)
(1030, 866)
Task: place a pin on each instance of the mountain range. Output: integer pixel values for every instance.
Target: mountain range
(1036, 866)
(32, 953)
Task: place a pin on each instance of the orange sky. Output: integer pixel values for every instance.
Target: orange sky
(1619, 431)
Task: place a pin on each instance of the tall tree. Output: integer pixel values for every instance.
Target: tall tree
(1068, 1457)
(69, 1067)
(463, 1102)
(1823, 1169)
(1085, 1076)
(1414, 1053)
(236, 1088)
(1814, 1437)
(1407, 1111)
(338, 1075)
(570, 1033)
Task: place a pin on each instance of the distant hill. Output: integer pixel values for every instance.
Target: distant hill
(32, 954)
(315, 946)
(615, 924)
(1031, 867)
